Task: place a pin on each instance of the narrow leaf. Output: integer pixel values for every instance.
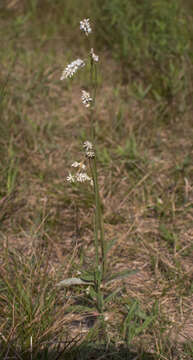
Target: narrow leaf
(87, 276)
(111, 296)
(120, 275)
(72, 282)
(110, 244)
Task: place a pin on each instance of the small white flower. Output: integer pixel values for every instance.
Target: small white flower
(106, 317)
(94, 56)
(82, 177)
(86, 98)
(76, 164)
(87, 145)
(85, 26)
(79, 164)
(88, 290)
(72, 68)
(90, 154)
(70, 178)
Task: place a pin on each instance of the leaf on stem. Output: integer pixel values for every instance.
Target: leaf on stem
(73, 281)
(120, 275)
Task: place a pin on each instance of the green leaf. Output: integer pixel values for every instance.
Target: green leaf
(79, 309)
(111, 296)
(92, 293)
(110, 244)
(73, 281)
(144, 325)
(98, 276)
(87, 276)
(120, 275)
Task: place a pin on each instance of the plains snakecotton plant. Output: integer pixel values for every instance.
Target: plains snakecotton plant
(98, 275)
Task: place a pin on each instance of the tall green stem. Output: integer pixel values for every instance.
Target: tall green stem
(98, 218)
(98, 209)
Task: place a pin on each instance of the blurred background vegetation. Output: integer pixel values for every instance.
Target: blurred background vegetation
(150, 39)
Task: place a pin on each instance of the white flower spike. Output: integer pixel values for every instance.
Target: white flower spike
(94, 56)
(80, 175)
(85, 26)
(86, 98)
(72, 68)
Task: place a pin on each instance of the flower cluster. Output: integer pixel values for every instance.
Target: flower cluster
(75, 65)
(86, 98)
(89, 151)
(85, 26)
(72, 68)
(81, 175)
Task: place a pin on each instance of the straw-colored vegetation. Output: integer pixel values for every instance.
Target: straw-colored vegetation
(144, 134)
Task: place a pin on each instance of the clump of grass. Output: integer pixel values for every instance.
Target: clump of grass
(28, 307)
